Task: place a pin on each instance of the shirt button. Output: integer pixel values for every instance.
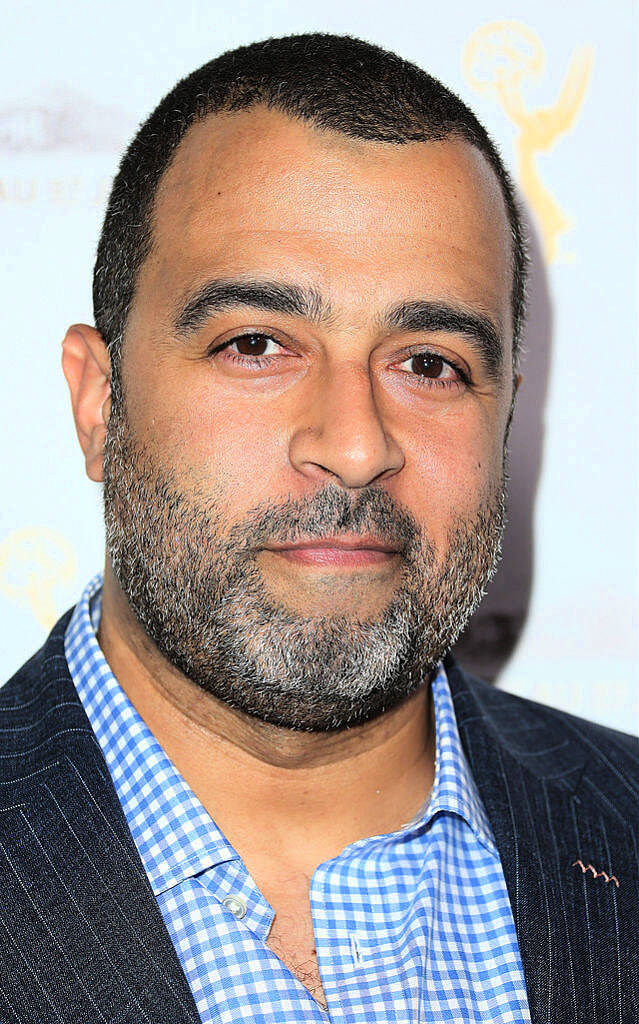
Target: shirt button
(236, 906)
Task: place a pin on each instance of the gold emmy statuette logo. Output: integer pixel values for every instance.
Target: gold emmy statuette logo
(499, 60)
(33, 562)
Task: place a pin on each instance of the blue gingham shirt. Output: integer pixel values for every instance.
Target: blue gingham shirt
(412, 927)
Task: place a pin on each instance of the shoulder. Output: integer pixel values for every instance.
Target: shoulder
(548, 742)
(38, 704)
(494, 700)
(41, 668)
(472, 694)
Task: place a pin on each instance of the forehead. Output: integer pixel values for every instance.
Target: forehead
(259, 192)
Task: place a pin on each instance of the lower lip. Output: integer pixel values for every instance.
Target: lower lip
(335, 556)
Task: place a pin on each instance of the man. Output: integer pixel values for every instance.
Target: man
(238, 781)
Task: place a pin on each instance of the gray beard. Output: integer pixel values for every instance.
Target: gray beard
(200, 595)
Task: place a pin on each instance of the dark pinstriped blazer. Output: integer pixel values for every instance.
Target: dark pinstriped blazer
(82, 939)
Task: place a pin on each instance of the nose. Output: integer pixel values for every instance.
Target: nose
(342, 431)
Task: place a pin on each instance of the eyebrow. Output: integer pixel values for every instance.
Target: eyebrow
(224, 294)
(271, 296)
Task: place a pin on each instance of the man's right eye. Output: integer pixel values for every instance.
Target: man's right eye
(251, 341)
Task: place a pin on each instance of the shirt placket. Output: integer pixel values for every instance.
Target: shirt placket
(232, 886)
(360, 964)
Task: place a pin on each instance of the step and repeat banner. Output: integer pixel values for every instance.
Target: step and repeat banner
(556, 86)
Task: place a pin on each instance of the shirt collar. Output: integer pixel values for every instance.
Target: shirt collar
(454, 789)
(175, 835)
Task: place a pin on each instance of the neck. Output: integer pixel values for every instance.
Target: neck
(317, 792)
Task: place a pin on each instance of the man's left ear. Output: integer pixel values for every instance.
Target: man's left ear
(87, 368)
(518, 380)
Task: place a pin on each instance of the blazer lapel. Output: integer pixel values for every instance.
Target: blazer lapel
(82, 936)
(549, 811)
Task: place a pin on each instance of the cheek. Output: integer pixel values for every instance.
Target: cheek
(222, 450)
(457, 465)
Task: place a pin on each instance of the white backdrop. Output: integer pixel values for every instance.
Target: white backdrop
(557, 88)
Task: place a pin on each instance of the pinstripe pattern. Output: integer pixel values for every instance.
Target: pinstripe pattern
(82, 937)
(558, 789)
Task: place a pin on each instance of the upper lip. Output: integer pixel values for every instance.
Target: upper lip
(347, 542)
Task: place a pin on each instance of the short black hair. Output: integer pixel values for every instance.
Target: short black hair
(334, 81)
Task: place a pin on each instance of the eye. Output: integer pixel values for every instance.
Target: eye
(432, 369)
(251, 342)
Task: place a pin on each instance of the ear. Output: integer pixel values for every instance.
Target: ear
(87, 368)
(518, 380)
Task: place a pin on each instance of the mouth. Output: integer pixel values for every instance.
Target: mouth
(351, 551)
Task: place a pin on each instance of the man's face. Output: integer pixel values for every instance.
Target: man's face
(367, 392)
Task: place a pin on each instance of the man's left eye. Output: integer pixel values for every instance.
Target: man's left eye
(431, 368)
(429, 364)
